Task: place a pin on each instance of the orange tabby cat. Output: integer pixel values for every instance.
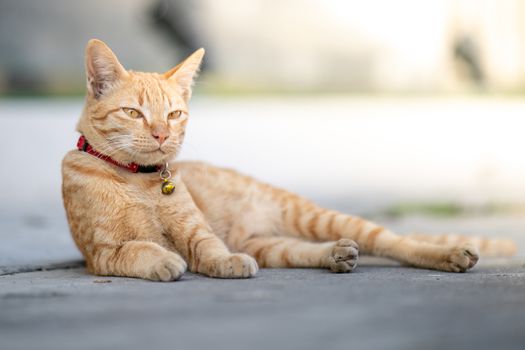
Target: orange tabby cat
(132, 214)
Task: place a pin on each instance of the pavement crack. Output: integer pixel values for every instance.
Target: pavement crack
(14, 270)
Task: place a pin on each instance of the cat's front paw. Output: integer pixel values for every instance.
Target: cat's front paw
(343, 256)
(169, 267)
(233, 266)
(460, 259)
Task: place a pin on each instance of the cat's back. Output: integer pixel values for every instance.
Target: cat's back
(196, 174)
(217, 187)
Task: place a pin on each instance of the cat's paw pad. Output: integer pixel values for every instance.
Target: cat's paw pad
(168, 268)
(461, 259)
(237, 266)
(343, 256)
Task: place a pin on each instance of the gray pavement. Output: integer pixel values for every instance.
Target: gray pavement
(377, 307)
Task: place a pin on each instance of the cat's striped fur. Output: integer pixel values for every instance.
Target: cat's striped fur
(217, 222)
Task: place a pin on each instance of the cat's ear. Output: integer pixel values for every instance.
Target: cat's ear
(185, 72)
(103, 69)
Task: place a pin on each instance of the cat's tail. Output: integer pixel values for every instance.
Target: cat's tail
(488, 247)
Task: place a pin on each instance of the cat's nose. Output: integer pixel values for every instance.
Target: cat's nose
(160, 135)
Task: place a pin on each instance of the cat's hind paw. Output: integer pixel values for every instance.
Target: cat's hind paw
(343, 256)
(460, 259)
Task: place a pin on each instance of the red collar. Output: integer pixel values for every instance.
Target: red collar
(83, 145)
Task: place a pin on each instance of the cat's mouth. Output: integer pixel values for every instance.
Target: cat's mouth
(155, 150)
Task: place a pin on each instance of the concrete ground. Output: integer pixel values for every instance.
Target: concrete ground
(377, 307)
(48, 301)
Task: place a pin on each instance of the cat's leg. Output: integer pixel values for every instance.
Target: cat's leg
(272, 251)
(302, 218)
(140, 259)
(207, 254)
(204, 251)
(488, 247)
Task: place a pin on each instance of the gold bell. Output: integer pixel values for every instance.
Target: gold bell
(167, 187)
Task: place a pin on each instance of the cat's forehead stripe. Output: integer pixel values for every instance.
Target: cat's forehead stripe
(165, 95)
(155, 95)
(141, 97)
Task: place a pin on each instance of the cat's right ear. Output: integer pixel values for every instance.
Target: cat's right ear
(103, 69)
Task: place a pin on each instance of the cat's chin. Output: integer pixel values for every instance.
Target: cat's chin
(158, 150)
(155, 157)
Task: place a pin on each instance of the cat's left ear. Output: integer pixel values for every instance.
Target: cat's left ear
(185, 72)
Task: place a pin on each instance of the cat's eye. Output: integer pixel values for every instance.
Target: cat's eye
(174, 115)
(133, 113)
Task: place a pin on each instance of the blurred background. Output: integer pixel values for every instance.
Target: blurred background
(405, 111)
(255, 46)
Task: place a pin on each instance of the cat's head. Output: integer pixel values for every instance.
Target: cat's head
(135, 116)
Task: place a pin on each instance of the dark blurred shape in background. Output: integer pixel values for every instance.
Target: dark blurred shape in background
(467, 52)
(405, 46)
(173, 18)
